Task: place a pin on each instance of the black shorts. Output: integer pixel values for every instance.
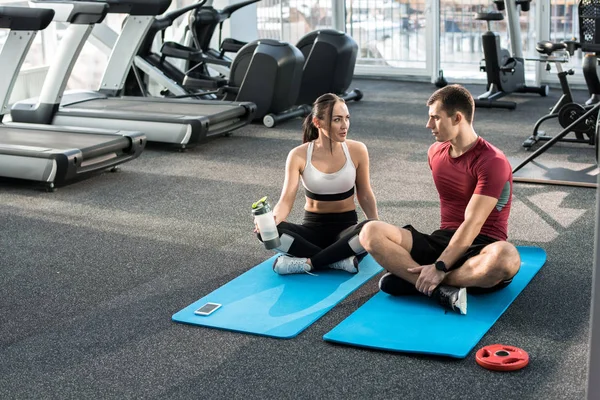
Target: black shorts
(426, 249)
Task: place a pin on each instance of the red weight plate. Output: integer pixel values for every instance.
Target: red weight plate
(500, 357)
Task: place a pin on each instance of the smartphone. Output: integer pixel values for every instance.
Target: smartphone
(207, 309)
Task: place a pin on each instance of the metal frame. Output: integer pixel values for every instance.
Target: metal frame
(432, 62)
(60, 72)
(123, 53)
(104, 38)
(14, 52)
(512, 20)
(593, 385)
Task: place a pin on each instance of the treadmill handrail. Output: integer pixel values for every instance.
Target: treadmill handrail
(170, 17)
(74, 12)
(165, 21)
(25, 18)
(138, 7)
(226, 12)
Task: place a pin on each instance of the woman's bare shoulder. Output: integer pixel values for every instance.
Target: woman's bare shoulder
(356, 147)
(297, 155)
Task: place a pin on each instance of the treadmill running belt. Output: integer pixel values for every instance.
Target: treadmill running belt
(214, 110)
(61, 141)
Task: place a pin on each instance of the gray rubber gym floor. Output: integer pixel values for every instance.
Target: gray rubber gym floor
(91, 274)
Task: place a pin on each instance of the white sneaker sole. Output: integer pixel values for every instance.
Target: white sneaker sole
(461, 302)
(383, 277)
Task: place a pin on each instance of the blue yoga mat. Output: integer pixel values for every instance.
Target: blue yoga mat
(417, 324)
(265, 303)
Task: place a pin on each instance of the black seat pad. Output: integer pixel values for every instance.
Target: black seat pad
(547, 47)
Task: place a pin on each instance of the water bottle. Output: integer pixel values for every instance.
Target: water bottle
(263, 217)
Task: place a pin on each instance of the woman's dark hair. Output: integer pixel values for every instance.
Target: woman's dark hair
(323, 111)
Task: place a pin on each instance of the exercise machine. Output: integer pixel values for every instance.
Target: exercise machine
(178, 122)
(265, 72)
(505, 71)
(330, 55)
(329, 58)
(590, 47)
(566, 110)
(579, 118)
(329, 67)
(589, 68)
(202, 23)
(52, 155)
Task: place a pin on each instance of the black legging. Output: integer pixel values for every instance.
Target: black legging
(324, 238)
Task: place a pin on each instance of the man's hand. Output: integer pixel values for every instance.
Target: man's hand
(429, 278)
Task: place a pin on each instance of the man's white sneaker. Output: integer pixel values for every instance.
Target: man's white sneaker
(452, 298)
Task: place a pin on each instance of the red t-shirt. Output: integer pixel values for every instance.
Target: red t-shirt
(483, 170)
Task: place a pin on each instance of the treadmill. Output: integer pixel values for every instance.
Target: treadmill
(180, 122)
(50, 155)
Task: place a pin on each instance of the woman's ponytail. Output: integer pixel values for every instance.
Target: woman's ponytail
(309, 131)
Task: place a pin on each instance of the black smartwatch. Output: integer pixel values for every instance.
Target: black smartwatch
(441, 266)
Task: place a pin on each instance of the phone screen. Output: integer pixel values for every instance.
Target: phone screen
(207, 309)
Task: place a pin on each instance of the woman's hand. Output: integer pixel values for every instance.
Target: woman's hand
(256, 230)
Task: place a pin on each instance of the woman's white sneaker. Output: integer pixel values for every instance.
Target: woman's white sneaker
(349, 264)
(285, 265)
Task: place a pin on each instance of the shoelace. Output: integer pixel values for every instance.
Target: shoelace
(448, 299)
(340, 265)
(444, 298)
(308, 272)
(304, 270)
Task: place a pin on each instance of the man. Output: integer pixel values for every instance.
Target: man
(474, 183)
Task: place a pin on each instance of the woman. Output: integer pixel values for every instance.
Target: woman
(330, 168)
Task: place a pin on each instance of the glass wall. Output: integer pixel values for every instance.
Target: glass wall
(564, 24)
(394, 36)
(461, 51)
(390, 33)
(289, 20)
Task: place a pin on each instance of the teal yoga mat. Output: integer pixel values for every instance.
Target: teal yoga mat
(417, 324)
(262, 302)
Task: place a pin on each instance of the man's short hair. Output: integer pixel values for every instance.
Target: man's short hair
(453, 99)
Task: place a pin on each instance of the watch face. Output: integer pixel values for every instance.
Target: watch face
(440, 266)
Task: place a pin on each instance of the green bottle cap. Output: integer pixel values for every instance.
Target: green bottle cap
(259, 203)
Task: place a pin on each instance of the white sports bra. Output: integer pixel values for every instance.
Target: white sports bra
(329, 187)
